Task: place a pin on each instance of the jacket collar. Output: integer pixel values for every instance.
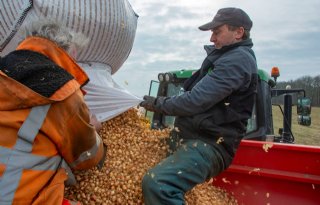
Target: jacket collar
(210, 48)
(56, 54)
(15, 95)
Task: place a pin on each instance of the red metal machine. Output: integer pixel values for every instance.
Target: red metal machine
(273, 173)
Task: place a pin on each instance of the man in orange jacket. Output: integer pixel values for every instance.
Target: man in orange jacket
(44, 122)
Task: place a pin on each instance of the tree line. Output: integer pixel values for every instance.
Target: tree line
(311, 85)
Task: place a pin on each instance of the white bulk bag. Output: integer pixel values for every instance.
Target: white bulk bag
(111, 27)
(106, 98)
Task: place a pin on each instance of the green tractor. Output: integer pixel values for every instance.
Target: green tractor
(267, 168)
(260, 125)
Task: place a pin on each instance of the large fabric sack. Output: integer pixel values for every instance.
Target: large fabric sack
(106, 99)
(110, 25)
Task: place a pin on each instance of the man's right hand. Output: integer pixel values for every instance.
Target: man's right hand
(149, 103)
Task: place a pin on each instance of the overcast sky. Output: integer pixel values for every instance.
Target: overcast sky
(285, 33)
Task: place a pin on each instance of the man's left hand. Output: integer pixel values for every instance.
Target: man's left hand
(95, 122)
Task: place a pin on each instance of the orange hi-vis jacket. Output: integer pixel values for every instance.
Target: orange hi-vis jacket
(42, 138)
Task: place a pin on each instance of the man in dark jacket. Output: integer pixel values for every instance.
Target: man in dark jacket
(211, 115)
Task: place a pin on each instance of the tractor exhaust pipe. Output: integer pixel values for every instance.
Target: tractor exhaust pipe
(287, 119)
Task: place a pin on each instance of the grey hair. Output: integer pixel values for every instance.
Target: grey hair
(56, 32)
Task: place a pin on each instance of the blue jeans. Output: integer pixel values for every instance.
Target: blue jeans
(192, 163)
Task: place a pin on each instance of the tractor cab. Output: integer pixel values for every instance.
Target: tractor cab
(169, 84)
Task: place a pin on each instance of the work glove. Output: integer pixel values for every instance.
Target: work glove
(151, 103)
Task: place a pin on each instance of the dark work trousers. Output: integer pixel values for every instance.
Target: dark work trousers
(192, 163)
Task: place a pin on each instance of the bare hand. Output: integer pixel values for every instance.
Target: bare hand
(95, 122)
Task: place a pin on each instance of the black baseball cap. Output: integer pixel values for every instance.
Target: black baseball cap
(229, 16)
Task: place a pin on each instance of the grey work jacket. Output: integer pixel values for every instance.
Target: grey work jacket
(218, 98)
